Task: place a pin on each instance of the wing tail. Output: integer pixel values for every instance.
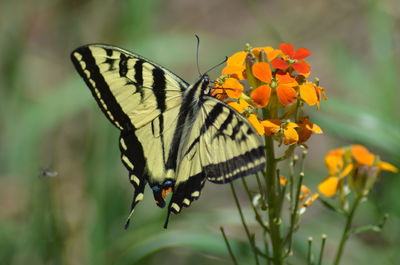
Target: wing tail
(137, 197)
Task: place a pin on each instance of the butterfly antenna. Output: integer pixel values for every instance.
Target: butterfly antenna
(197, 54)
(215, 66)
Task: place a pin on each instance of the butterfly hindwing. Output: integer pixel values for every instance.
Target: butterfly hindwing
(243, 153)
(221, 147)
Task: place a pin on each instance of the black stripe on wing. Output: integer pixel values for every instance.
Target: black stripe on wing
(118, 117)
(217, 173)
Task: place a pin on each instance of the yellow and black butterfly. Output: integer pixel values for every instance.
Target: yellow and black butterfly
(174, 136)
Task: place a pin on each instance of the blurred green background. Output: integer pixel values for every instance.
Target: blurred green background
(49, 121)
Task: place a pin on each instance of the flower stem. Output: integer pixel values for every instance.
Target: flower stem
(228, 246)
(345, 234)
(246, 229)
(272, 195)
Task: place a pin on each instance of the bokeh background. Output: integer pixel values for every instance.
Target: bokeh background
(50, 124)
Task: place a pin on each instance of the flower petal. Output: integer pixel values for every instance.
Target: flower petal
(237, 59)
(301, 53)
(279, 64)
(301, 67)
(271, 126)
(256, 124)
(236, 106)
(328, 187)
(334, 161)
(346, 171)
(244, 103)
(314, 128)
(387, 166)
(291, 136)
(260, 95)
(262, 71)
(287, 49)
(286, 94)
(256, 51)
(362, 155)
(235, 71)
(286, 79)
(308, 94)
(271, 55)
(233, 87)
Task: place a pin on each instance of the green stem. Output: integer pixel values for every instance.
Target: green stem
(228, 246)
(345, 234)
(321, 252)
(272, 195)
(309, 251)
(256, 213)
(246, 229)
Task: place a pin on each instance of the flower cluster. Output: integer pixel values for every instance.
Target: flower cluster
(352, 167)
(275, 81)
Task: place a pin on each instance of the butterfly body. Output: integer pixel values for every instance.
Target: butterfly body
(174, 136)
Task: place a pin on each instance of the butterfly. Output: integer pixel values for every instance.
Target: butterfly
(174, 136)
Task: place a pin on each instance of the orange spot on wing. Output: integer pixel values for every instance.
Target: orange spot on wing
(165, 192)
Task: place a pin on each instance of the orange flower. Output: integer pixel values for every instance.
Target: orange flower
(283, 83)
(235, 65)
(295, 58)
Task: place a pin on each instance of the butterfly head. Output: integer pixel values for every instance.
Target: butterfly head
(204, 84)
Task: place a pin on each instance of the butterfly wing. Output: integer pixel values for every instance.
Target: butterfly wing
(221, 147)
(141, 99)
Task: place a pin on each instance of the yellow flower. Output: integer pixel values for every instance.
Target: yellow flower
(356, 162)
